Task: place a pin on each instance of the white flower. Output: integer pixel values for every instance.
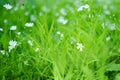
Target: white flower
(1, 29)
(2, 51)
(37, 49)
(45, 9)
(7, 6)
(108, 38)
(5, 21)
(32, 18)
(61, 35)
(58, 32)
(26, 13)
(30, 42)
(18, 33)
(13, 27)
(80, 46)
(63, 12)
(86, 6)
(62, 20)
(12, 44)
(29, 24)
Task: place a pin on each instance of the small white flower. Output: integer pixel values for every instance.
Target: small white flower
(37, 49)
(30, 42)
(12, 44)
(29, 24)
(86, 6)
(80, 46)
(62, 20)
(108, 38)
(40, 14)
(7, 6)
(58, 32)
(18, 33)
(2, 51)
(45, 9)
(32, 18)
(63, 12)
(26, 13)
(5, 21)
(1, 29)
(62, 35)
(13, 27)
(112, 27)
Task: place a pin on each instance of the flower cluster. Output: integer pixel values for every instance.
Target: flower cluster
(12, 45)
(7, 6)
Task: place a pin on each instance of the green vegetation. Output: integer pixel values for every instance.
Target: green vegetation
(59, 40)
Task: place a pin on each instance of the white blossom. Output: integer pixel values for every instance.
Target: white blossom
(13, 27)
(32, 18)
(7, 6)
(108, 38)
(29, 24)
(63, 11)
(86, 6)
(30, 42)
(37, 49)
(1, 29)
(12, 44)
(80, 46)
(62, 20)
(58, 32)
(18, 33)
(2, 51)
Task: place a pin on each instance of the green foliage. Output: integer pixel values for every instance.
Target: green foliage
(60, 40)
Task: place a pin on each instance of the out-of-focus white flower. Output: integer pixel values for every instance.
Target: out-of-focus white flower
(40, 14)
(30, 42)
(45, 9)
(29, 24)
(13, 27)
(112, 27)
(63, 12)
(80, 46)
(62, 20)
(22, 7)
(86, 6)
(12, 44)
(58, 32)
(108, 38)
(37, 49)
(1, 29)
(26, 13)
(61, 34)
(2, 51)
(18, 33)
(5, 21)
(7, 6)
(32, 18)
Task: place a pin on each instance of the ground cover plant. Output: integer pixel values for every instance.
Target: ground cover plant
(59, 40)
